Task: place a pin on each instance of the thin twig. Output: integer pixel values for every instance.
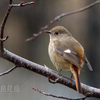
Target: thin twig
(63, 15)
(10, 1)
(22, 4)
(8, 71)
(35, 35)
(56, 96)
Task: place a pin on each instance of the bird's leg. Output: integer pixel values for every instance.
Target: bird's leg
(71, 75)
(53, 81)
(59, 71)
(56, 80)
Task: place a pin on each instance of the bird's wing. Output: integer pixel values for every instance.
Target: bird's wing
(69, 55)
(87, 62)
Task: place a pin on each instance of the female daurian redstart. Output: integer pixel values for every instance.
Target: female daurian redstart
(67, 53)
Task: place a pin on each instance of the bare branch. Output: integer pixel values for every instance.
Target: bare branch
(60, 97)
(45, 71)
(10, 1)
(61, 16)
(2, 27)
(8, 71)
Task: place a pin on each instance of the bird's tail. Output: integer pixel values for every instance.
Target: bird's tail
(77, 79)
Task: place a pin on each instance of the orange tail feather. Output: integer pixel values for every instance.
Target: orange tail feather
(77, 79)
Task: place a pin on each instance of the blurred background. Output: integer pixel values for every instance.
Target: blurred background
(23, 22)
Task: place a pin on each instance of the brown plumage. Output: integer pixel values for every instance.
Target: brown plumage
(67, 53)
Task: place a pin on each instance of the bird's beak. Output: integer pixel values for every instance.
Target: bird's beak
(47, 31)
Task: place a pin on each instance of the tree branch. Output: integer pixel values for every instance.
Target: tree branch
(61, 16)
(45, 71)
(60, 97)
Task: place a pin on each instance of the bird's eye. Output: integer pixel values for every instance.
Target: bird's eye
(56, 33)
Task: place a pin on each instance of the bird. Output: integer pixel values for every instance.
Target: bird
(67, 53)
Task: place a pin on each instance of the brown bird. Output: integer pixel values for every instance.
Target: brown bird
(67, 53)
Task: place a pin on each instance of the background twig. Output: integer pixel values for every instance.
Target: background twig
(61, 16)
(55, 96)
(8, 71)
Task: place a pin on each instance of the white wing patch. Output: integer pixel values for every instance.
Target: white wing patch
(67, 51)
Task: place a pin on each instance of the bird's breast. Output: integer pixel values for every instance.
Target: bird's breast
(58, 61)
